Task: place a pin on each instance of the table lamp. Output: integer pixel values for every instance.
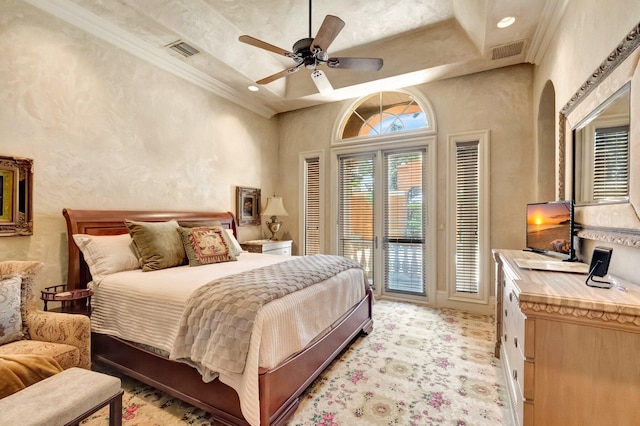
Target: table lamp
(274, 209)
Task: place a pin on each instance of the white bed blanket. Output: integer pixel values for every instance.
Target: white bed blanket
(146, 307)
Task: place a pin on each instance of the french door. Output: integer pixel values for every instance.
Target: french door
(382, 217)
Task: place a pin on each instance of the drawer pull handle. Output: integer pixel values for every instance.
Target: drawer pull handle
(510, 297)
(515, 374)
(505, 337)
(515, 341)
(505, 312)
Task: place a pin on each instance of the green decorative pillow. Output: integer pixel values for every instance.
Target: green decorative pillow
(206, 244)
(10, 317)
(157, 243)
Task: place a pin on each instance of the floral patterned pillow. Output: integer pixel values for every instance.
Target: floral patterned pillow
(10, 317)
(205, 245)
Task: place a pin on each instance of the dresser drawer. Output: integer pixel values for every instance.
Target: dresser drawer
(513, 390)
(514, 336)
(285, 251)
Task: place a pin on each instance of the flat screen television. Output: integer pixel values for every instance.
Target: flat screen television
(550, 228)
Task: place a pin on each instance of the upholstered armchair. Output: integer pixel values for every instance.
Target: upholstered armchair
(24, 329)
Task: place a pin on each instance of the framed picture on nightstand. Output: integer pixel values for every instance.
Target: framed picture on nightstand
(248, 206)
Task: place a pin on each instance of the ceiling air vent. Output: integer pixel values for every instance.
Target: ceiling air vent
(183, 48)
(506, 50)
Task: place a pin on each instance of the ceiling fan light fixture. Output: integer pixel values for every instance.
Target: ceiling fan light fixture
(310, 63)
(322, 82)
(505, 22)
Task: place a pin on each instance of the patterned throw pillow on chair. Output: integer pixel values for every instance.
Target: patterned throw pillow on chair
(10, 317)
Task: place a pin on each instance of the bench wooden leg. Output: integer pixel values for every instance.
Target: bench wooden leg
(115, 411)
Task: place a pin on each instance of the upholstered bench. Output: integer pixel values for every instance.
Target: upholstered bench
(64, 399)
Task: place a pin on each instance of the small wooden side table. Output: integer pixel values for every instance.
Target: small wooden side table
(71, 301)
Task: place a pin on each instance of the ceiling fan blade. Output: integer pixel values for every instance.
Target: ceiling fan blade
(278, 75)
(365, 64)
(329, 30)
(266, 46)
(322, 82)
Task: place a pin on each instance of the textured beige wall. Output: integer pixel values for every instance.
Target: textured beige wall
(499, 100)
(589, 31)
(109, 131)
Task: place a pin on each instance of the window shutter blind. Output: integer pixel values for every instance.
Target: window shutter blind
(355, 210)
(312, 206)
(467, 268)
(611, 163)
(404, 218)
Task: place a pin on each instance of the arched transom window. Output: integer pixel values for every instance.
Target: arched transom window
(382, 113)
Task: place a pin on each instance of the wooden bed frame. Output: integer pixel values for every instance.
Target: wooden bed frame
(279, 388)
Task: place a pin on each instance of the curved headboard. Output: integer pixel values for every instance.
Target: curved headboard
(111, 222)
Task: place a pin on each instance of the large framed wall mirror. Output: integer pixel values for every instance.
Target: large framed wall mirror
(601, 153)
(598, 158)
(16, 196)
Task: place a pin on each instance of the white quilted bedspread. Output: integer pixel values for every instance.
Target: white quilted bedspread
(146, 307)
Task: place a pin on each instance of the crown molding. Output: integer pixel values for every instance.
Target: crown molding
(546, 30)
(101, 28)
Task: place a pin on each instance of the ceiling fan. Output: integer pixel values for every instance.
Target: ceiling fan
(312, 52)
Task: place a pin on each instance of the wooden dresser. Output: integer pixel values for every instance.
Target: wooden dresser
(571, 353)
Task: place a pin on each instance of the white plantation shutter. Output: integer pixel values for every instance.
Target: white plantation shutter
(356, 209)
(611, 163)
(467, 218)
(312, 206)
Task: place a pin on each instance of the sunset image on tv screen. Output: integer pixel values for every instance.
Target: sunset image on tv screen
(549, 227)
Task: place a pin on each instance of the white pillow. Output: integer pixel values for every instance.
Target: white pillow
(106, 254)
(235, 245)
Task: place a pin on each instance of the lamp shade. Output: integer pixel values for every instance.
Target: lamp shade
(274, 207)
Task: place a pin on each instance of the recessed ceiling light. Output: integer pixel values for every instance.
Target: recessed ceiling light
(253, 88)
(506, 22)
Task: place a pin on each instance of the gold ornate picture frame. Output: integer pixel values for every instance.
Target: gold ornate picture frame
(16, 196)
(248, 206)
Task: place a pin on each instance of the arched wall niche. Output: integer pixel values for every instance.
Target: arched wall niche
(545, 154)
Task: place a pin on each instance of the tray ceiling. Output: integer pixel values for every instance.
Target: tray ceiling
(419, 40)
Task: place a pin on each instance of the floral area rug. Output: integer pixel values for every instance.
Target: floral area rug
(420, 366)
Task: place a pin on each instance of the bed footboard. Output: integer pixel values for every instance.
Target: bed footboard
(280, 387)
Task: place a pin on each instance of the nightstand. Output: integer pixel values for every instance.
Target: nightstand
(268, 246)
(71, 301)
